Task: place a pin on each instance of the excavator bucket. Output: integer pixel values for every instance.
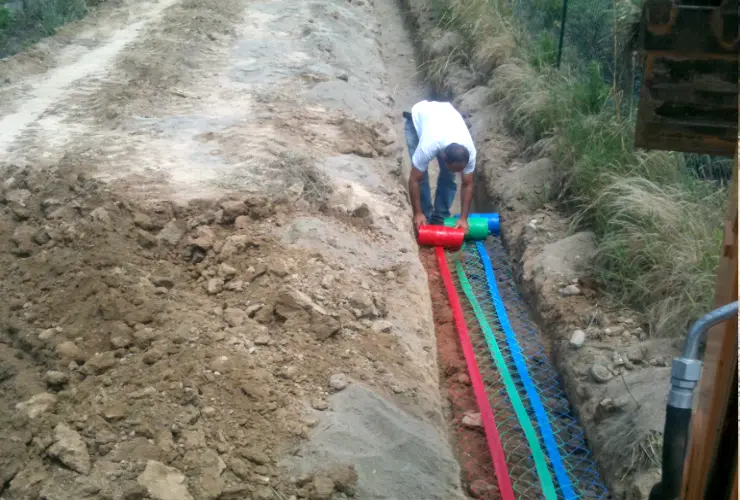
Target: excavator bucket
(689, 90)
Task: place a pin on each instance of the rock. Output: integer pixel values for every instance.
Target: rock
(25, 483)
(601, 373)
(37, 405)
(226, 271)
(263, 493)
(278, 268)
(361, 300)
(120, 341)
(163, 482)
(235, 492)
(152, 355)
(252, 310)
(382, 326)
(234, 317)
(362, 212)
(380, 305)
(115, 411)
(41, 237)
(23, 237)
(254, 455)
(133, 491)
(235, 286)
(100, 214)
(145, 239)
(214, 286)
(204, 238)
(288, 372)
(325, 326)
(570, 291)
(617, 359)
(319, 404)
(242, 222)
(345, 479)
(70, 449)
(162, 281)
(253, 390)
(171, 233)
(220, 364)
(262, 339)
(234, 245)
(481, 489)
(472, 420)
(296, 300)
(635, 354)
(578, 338)
(310, 420)
(210, 478)
(239, 467)
(144, 221)
(19, 197)
(327, 281)
(338, 381)
(233, 209)
(614, 330)
(100, 363)
(322, 488)
(56, 379)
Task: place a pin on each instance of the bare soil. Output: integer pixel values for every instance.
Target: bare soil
(207, 259)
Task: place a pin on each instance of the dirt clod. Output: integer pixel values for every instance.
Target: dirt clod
(70, 449)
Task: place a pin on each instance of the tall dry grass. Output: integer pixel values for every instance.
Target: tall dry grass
(658, 224)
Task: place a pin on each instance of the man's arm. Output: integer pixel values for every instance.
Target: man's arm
(466, 195)
(414, 193)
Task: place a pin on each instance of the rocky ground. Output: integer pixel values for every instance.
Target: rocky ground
(211, 288)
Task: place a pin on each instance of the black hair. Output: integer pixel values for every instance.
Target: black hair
(457, 153)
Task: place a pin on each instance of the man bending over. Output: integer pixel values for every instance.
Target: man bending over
(436, 129)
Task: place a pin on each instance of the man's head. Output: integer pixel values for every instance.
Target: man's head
(456, 157)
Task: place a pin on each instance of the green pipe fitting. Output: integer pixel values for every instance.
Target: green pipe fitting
(477, 227)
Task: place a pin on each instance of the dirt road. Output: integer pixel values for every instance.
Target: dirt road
(211, 288)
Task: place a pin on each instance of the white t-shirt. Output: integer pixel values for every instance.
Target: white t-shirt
(438, 125)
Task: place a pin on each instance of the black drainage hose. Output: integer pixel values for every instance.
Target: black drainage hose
(675, 440)
(685, 374)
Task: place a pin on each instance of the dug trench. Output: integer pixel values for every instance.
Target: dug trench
(210, 285)
(615, 374)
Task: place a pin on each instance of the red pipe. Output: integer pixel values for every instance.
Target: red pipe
(489, 423)
(440, 236)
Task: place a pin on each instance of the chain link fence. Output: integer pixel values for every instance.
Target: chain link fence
(600, 37)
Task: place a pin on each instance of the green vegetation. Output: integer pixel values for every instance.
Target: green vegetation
(657, 215)
(35, 20)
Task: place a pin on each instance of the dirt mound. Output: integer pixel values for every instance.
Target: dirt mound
(175, 333)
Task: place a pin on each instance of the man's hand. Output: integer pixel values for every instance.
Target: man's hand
(462, 222)
(419, 219)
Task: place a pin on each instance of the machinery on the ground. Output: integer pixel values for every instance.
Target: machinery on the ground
(689, 103)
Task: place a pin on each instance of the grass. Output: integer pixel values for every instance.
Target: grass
(657, 221)
(36, 20)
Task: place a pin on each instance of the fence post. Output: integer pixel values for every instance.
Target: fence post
(562, 32)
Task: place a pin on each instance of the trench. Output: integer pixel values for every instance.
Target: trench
(569, 469)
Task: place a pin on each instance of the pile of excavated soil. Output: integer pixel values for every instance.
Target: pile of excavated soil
(165, 339)
(175, 347)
